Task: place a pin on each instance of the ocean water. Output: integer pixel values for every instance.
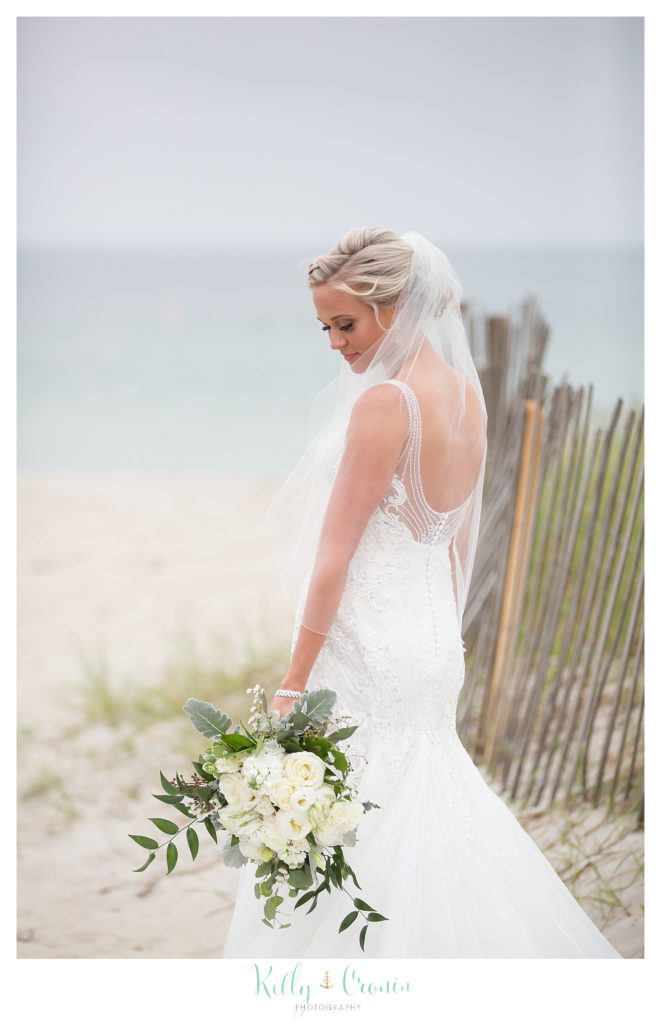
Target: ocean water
(205, 360)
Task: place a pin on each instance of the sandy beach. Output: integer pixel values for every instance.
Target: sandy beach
(116, 577)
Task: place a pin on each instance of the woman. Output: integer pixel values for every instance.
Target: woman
(386, 502)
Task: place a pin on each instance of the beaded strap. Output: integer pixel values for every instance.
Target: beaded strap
(288, 693)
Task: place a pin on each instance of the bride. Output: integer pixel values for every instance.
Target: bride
(384, 506)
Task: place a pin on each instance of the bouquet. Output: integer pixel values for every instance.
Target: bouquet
(282, 792)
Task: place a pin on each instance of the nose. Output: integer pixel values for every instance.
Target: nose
(338, 341)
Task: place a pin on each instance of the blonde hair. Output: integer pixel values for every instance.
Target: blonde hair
(372, 264)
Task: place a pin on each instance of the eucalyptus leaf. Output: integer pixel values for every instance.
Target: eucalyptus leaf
(349, 919)
(342, 734)
(193, 841)
(171, 856)
(167, 785)
(166, 826)
(149, 844)
(362, 905)
(146, 863)
(363, 933)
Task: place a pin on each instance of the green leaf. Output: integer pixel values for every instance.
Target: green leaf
(166, 826)
(342, 734)
(211, 829)
(173, 801)
(206, 718)
(167, 785)
(193, 841)
(349, 919)
(363, 933)
(269, 909)
(171, 856)
(362, 905)
(266, 888)
(237, 741)
(317, 744)
(201, 770)
(146, 863)
(299, 878)
(149, 844)
(335, 872)
(376, 917)
(353, 876)
(339, 760)
(304, 899)
(318, 704)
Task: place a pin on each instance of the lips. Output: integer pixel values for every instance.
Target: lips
(349, 358)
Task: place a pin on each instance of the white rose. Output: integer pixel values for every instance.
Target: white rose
(291, 825)
(346, 814)
(302, 798)
(318, 812)
(281, 793)
(325, 796)
(235, 821)
(267, 834)
(342, 817)
(305, 768)
(235, 790)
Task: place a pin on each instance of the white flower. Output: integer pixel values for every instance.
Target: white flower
(291, 825)
(249, 849)
(281, 793)
(295, 854)
(305, 768)
(267, 834)
(302, 798)
(231, 763)
(235, 790)
(263, 768)
(343, 816)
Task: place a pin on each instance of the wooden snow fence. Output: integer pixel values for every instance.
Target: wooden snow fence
(552, 703)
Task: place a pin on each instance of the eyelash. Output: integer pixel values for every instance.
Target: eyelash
(344, 327)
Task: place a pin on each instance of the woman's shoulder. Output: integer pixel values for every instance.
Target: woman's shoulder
(380, 411)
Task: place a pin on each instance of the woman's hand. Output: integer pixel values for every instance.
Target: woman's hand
(284, 704)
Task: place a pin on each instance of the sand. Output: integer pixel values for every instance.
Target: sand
(112, 572)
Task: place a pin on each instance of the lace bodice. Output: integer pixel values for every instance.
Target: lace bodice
(405, 499)
(404, 502)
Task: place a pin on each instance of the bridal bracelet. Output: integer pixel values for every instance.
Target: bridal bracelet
(289, 693)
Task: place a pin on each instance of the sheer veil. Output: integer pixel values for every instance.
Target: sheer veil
(427, 313)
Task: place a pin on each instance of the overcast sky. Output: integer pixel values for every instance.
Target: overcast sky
(490, 131)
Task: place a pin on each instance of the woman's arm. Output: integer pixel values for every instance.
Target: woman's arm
(375, 437)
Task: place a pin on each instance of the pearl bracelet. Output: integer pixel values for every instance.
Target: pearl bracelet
(288, 693)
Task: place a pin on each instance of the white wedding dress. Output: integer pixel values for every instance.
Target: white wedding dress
(444, 859)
